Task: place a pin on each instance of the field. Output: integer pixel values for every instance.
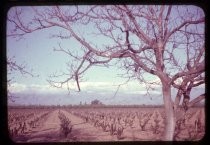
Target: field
(101, 124)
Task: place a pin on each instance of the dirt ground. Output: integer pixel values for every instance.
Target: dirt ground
(49, 131)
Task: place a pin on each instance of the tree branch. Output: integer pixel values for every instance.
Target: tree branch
(197, 69)
(187, 22)
(196, 100)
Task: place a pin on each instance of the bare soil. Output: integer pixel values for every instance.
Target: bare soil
(49, 130)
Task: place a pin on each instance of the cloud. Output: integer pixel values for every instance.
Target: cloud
(85, 86)
(16, 87)
(144, 92)
(21, 88)
(97, 85)
(44, 94)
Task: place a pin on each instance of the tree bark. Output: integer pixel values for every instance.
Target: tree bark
(170, 116)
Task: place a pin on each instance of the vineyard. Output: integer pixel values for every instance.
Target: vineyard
(101, 124)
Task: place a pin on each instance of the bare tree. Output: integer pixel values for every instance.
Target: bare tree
(165, 41)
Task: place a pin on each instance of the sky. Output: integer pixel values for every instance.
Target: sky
(36, 51)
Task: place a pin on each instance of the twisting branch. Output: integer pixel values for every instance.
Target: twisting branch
(197, 69)
(78, 69)
(192, 77)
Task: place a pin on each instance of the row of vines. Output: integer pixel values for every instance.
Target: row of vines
(190, 125)
(65, 125)
(117, 122)
(21, 122)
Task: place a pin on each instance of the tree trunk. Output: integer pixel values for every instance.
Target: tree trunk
(168, 106)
